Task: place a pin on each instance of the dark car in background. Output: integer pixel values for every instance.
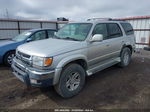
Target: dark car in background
(8, 46)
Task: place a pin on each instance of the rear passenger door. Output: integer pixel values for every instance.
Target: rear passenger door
(40, 35)
(115, 39)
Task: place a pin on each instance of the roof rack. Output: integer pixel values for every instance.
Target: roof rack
(101, 19)
(104, 19)
(118, 20)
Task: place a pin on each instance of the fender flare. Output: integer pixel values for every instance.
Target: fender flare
(63, 63)
(126, 45)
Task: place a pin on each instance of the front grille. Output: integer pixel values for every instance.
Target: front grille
(24, 55)
(25, 58)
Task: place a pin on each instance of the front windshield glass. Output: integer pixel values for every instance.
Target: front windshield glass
(74, 31)
(22, 36)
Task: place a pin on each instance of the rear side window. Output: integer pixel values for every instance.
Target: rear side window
(114, 30)
(127, 28)
(39, 35)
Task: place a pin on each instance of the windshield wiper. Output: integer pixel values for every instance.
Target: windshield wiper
(69, 38)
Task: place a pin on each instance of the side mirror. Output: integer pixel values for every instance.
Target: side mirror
(29, 39)
(97, 38)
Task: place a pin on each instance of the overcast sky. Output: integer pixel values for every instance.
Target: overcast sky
(73, 9)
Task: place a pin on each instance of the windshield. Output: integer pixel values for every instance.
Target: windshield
(22, 36)
(74, 31)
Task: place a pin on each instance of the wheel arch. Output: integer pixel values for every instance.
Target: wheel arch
(128, 46)
(13, 50)
(81, 60)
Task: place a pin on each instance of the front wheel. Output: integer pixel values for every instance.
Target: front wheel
(9, 57)
(125, 57)
(71, 81)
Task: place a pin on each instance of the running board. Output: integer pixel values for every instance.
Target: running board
(103, 66)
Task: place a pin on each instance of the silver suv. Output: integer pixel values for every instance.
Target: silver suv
(77, 50)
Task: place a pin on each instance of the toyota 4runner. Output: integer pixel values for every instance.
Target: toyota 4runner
(77, 50)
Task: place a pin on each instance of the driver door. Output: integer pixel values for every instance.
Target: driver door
(98, 51)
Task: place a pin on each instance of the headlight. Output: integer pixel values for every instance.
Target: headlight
(41, 61)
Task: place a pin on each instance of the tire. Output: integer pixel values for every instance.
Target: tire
(8, 58)
(66, 87)
(125, 57)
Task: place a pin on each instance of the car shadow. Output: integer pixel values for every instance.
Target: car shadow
(103, 88)
(4, 67)
(112, 86)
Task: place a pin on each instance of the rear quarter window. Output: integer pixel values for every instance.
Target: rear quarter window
(127, 28)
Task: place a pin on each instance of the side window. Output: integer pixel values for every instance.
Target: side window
(39, 36)
(127, 28)
(50, 33)
(114, 30)
(101, 29)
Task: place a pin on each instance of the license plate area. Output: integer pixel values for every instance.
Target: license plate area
(18, 75)
(19, 72)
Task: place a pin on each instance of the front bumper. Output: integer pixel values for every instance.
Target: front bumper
(32, 76)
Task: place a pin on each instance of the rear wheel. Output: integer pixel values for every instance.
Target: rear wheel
(71, 81)
(125, 57)
(9, 57)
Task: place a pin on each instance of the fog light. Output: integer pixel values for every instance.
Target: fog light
(33, 81)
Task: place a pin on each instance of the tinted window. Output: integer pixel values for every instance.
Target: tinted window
(39, 35)
(114, 30)
(127, 28)
(101, 29)
(50, 33)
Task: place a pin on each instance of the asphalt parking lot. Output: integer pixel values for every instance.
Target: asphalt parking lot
(114, 87)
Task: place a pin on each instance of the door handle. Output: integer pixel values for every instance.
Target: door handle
(107, 45)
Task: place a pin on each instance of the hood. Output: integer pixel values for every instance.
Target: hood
(6, 42)
(50, 47)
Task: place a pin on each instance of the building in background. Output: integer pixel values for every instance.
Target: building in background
(141, 26)
(12, 27)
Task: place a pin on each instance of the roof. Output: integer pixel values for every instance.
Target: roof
(132, 18)
(34, 30)
(100, 20)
